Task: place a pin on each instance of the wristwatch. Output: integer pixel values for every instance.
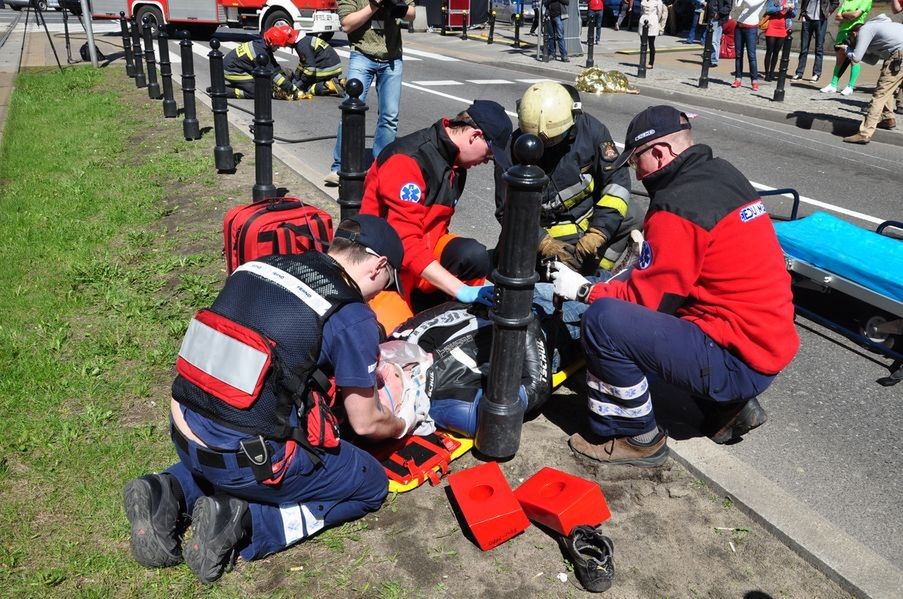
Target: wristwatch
(583, 292)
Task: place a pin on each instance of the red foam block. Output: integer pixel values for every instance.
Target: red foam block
(487, 504)
(562, 501)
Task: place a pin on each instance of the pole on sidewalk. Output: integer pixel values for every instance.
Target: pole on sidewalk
(190, 126)
(785, 63)
(644, 47)
(352, 173)
(153, 88)
(464, 25)
(126, 44)
(517, 19)
(263, 130)
(89, 32)
(501, 413)
(491, 37)
(136, 52)
(590, 41)
(222, 152)
(706, 57)
(170, 110)
(444, 19)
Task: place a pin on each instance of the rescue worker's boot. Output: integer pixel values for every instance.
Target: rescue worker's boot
(726, 423)
(217, 527)
(153, 510)
(622, 450)
(335, 84)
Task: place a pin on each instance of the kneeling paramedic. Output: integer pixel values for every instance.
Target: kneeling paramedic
(261, 465)
(586, 218)
(239, 64)
(707, 308)
(416, 183)
(319, 71)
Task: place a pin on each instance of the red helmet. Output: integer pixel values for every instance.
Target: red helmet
(280, 36)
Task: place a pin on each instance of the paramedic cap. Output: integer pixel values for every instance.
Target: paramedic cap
(377, 235)
(652, 123)
(492, 120)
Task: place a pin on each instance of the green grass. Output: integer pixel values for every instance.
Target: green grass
(94, 298)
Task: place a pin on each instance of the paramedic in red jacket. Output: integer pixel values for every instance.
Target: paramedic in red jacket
(708, 308)
(415, 184)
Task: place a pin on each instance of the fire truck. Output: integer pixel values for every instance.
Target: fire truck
(202, 17)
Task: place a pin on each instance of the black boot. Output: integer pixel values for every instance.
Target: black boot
(217, 527)
(727, 423)
(153, 510)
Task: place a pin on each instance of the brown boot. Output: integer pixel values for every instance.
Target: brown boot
(858, 138)
(622, 450)
(887, 124)
(729, 422)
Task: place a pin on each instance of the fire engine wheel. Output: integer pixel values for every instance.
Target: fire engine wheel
(154, 16)
(277, 17)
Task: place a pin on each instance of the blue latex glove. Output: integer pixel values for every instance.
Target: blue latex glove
(476, 294)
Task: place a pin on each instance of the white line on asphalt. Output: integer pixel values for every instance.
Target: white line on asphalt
(490, 81)
(449, 96)
(437, 83)
(412, 52)
(536, 80)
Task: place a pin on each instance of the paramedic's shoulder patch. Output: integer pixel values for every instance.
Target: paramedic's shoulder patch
(410, 192)
(754, 210)
(609, 151)
(645, 260)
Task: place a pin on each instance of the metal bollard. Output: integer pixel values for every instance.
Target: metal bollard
(706, 57)
(140, 81)
(491, 37)
(190, 127)
(126, 44)
(590, 41)
(222, 153)
(464, 25)
(501, 413)
(263, 130)
(153, 88)
(352, 171)
(644, 47)
(444, 18)
(517, 19)
(170, 110)
(782, 73)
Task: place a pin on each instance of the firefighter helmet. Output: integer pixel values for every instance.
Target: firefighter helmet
(547, 110)
(280, 36)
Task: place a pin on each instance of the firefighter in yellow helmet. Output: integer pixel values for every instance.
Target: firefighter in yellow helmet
(586, 217)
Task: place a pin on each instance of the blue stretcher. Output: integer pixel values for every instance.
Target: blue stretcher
(828, 254)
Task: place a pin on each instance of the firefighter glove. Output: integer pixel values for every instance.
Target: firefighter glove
(567, 283)
(550, 247)
(588, 245)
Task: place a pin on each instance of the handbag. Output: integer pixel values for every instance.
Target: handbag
(763, 22)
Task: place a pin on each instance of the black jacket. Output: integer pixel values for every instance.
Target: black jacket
(719, 9)
(556, 8)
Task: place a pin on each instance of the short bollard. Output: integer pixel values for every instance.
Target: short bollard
(782, 73)
(464, 25)
(263, 130)
(706, 57)
(517, 19)
(442, 31)
(590, 41)
(170, 110)
(222, 152)
(190, 127)
(491, 37)
(644, 47)
(352, 172)
(501, 413)
(153, 88)
(126, 44)
(140, 81)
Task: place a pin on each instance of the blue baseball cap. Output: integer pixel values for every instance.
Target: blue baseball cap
(652, 123)
(378, 236)
(495, 124)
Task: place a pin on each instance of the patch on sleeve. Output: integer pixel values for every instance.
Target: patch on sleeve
(609, 151)
(752, 211)
(645, 260)
(410, 192)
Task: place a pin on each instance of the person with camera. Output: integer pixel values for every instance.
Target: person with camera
(374, 33)
(239, 64)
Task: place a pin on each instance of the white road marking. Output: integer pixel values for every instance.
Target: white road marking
(543, 80)
(437, 83)
(449, 96)
(490, 81)
(411, 52)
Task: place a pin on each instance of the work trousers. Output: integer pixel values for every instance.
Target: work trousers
(883, 101)
(625, 342)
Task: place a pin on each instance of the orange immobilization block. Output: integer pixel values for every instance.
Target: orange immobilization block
(488, 505)
(562, 501)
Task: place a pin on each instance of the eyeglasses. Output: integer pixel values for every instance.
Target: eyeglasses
(635, 157)
(393, 275)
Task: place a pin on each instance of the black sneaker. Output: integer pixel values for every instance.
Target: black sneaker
(153, 511)
(592, 554)
(729, 422)
(216, 529)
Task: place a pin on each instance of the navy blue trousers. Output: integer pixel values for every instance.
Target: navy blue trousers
(624, 342)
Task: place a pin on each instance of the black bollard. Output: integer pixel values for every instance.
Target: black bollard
(222, 153)
(190, 127)
(170, 110)
(501, 413)
(444, 18)
(464, 25)
(644, 47)
(153, 88)
(706, 57)
(352, 172)
(785, 62)
(126, 44)
(263, 130)
(136, 53)
(491, 37)
(517, 19)
(590, 41)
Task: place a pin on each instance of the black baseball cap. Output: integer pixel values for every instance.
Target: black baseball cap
(495, 124)
(378, 236)
(652, 123)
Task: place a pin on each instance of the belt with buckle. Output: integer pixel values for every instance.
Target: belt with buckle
(255, 453)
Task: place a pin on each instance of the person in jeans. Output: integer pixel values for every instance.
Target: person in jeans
(554, 35)
(814, 23)
(698, 8)
(719, 11)
(596, 12)
(780, 20)
(745, 35)
(375, 37)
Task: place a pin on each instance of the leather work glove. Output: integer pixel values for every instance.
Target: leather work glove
(566, 282)
(549, 247)
(476, 294)
(589, 244)
(301, 95)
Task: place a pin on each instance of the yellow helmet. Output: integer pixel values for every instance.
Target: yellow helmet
(547, 111)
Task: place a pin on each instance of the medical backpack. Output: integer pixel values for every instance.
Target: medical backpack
(278, 226)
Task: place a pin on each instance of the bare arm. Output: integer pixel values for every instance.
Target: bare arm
(357, 19)
(439, 277)
(897, 6)
(367, 416)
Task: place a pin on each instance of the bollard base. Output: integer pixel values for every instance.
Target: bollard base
(130, 71)
(498, 428)
(224, 159)
(262, 192)
(140, 81)
(191, 129)
(170, 110)
(153, 91)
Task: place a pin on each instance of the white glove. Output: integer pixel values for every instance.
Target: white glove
(406, 409)
(566, 282)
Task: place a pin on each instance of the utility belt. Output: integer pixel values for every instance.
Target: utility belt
(255, 453)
